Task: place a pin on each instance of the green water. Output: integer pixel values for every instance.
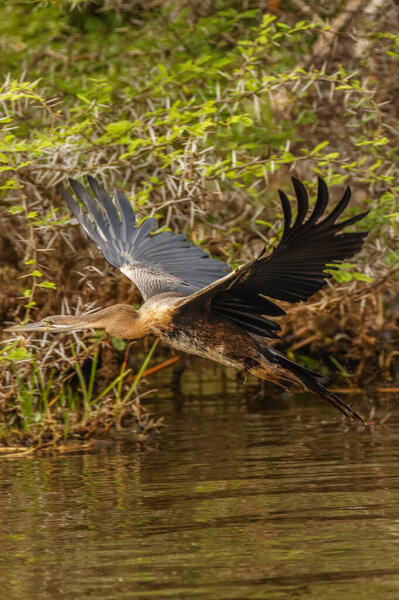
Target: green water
(235, 500)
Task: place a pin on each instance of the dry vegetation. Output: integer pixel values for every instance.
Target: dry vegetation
(199, 112)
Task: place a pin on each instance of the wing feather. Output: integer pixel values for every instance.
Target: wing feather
(156, 263)
(294, 271)
(109, 208)
(321, 202)
(286, 211)
(303, 203)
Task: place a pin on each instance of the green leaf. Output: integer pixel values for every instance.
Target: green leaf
(264, 223)
(15, 209)
(342, 276)
(118, 343)
(16, 354)
(118, 128)
(362, 277)
(163, 70)
(48, 284)
(243, 119)
(319, 147)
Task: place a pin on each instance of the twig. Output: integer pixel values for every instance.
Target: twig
(305, 342)
(157, 368)
(322, 47)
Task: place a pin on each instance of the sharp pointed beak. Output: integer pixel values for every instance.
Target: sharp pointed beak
(28, 327)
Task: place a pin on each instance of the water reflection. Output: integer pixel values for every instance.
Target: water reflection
(233, 502)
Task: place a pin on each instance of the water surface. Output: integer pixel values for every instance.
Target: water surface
(235, 500)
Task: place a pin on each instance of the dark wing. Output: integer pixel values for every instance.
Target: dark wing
(293, 272)
(157, 263)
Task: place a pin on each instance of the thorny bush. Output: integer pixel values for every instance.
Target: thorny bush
(199, 112)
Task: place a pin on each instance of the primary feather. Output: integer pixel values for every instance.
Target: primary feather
(156, 263)
(293, 271)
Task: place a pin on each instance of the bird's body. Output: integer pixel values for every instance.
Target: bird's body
(197, 304)
(208, 335)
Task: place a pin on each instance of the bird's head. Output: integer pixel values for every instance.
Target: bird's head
(53, 324)
(120, 320)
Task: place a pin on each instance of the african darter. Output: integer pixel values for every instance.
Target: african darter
(196, 303)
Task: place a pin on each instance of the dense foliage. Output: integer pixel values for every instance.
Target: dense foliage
(199, 111)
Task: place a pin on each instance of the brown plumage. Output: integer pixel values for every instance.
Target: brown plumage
(197, 304)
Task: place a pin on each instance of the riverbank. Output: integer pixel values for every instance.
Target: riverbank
(200, 115)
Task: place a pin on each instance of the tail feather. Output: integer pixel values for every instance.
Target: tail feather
(294, 373)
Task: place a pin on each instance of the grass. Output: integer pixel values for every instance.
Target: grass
(47, 410)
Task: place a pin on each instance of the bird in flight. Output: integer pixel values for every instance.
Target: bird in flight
(198, 304)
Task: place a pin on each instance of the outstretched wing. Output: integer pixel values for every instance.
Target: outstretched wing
(162, 262)
(293, 272)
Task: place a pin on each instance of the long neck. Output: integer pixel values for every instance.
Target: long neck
(120, 320)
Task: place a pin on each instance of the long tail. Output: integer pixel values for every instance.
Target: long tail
(291, 372)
